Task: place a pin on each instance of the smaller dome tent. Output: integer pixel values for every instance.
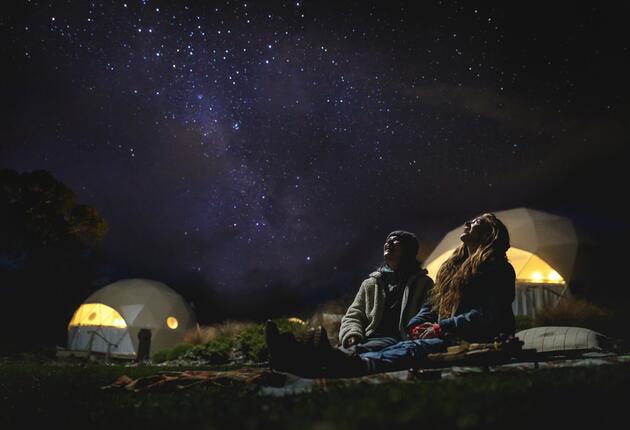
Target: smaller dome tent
(543, 251)
(110, 319)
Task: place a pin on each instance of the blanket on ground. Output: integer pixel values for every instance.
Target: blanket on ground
(270, 383)
(459, 360)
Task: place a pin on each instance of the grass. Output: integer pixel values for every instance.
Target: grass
(70, 396)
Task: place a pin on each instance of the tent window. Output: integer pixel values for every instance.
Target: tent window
(172, 323)
(530, 268)
(97, 314)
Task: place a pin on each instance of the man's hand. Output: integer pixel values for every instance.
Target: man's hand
(351, 341)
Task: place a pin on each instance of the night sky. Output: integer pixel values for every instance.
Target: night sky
(267, 148)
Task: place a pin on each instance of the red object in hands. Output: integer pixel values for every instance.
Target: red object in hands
(416, 330)
(437, 329)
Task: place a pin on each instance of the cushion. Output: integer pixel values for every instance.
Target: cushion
(555, 339)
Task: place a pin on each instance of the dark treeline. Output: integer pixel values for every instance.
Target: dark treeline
(48, 257)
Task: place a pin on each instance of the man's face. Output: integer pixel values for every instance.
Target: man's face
(392, 251)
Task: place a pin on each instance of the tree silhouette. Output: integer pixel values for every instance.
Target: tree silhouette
(47, 257)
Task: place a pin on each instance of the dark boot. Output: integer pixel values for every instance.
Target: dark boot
(317, 338)
(338, 364)
(278, 346)
(335, 362)
(322, 341)
(286, 354)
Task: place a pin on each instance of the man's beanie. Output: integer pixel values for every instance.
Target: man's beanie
(408, 242)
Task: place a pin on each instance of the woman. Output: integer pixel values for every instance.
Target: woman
(471, 301)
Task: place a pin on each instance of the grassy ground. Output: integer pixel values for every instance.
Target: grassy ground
(35, 393)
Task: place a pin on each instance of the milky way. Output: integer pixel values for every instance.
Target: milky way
(261, 144)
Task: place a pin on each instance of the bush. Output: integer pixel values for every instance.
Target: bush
(217, 351)
(576, 313)
(523, 322)
(228, 341)
(160, 356)
(284, 325)
(177, 351)
(228, 329)
(173, 353)
(250, 344)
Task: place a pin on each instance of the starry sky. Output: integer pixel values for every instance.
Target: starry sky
(267, 148)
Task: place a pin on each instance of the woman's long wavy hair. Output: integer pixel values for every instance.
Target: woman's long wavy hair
(456, 273)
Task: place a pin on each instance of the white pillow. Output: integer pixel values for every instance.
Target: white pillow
(549, 338)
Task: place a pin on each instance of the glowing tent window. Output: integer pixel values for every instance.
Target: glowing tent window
(97, 314)
(172, 323)
(529, 268)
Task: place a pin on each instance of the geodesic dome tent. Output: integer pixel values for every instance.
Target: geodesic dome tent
(110, 320)
(543, 251)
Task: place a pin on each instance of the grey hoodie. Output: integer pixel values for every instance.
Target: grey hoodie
(364, 314)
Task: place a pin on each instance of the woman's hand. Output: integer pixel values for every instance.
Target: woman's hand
(434, 330)
(417, 330)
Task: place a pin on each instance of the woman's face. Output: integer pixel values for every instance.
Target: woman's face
(474, 231)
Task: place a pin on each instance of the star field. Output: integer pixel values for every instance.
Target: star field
(262, 144)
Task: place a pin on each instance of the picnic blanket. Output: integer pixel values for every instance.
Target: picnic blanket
(272, 383)
(174, 380)
(457, 361)
(295, 385)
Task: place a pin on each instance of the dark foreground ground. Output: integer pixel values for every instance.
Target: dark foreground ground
(47, 395)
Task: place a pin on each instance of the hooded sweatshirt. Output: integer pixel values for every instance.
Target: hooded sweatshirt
(364, 316)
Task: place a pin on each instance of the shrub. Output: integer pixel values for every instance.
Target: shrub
(219, 350)
(230, 329)
(230, 340)
(523, 322)
(198, 335)
(177, 351)
(173, 353)
(216, 351)
(161, 355)
(576, 313)
(284, 325)
(250, 344)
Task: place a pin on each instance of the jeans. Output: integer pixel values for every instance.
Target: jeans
(403, 355)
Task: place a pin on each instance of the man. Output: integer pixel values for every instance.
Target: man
(387, 299)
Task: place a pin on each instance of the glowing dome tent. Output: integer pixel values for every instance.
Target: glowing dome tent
(110, 320)
(543, 252)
